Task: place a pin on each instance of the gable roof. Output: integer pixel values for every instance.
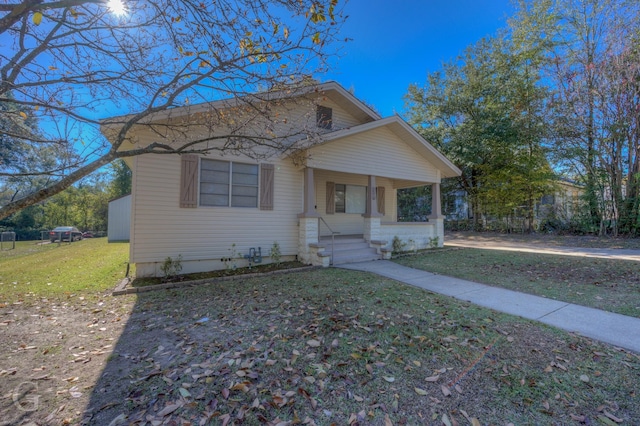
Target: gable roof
(407, 134)
(330, 89)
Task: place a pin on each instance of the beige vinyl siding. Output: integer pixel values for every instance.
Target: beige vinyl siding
(341, 118)
(378, 150)
(348, 223)
(298, 117)
(164, 229)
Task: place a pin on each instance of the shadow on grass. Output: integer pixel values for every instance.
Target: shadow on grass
(343, 347)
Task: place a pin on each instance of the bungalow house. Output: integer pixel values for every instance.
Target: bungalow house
(331, 199)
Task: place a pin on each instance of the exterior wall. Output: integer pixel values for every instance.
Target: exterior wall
(204, 235)
(415, 235)
(378, 152)
(348, 223)
(119, 219)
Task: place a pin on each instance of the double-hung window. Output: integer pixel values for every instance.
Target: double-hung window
(226, 183)
(350, 198)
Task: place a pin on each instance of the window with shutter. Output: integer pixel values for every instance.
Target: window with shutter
(267, 172)
(324, 117)
(380, 200)
(331, 198)
(224, 183)
(189, 181)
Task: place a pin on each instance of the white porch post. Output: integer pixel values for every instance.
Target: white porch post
(436, 216)
(372, 216)
(308, 219)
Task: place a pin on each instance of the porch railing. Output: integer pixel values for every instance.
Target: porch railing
(333, 234)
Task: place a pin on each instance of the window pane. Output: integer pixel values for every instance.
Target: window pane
(244, 192)
(240, 201)
(244, 179)
(212, 188)
(339, 198)
(222, 166)
(214, 176)
(324, 117)
(250, 191)
(214, 183)
(356, 199)
(214, 200)
(245, 168)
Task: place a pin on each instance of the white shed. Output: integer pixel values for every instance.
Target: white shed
(119, 220)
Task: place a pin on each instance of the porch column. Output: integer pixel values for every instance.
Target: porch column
(436, 214)
(436, 210)
(308, 219)
(371, 215)
(372, 199)
(309, 194)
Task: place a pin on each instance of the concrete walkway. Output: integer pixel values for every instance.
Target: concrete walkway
(618, 330)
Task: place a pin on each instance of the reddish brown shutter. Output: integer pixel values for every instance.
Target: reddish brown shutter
(331, 197)
(189, 181)
(267, 172)
(380, 192)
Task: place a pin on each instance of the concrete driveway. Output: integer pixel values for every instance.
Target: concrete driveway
(456, 240)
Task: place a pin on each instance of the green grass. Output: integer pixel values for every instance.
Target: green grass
(53, 270)
(612, 285)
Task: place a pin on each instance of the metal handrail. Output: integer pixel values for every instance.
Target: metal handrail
(333, 234)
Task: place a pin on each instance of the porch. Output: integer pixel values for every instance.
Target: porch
(332, 233)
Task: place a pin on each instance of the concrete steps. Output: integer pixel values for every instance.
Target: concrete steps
(349, 249)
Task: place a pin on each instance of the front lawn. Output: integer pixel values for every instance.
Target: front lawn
(56, 270)
(612, 285)
(320, 347)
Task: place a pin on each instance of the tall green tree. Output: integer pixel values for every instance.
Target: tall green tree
(484, 110)
(121, 181)
(591, 63)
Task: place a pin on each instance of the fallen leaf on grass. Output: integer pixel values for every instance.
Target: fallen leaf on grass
(584, 378)
(445, 390)
(225, 419)
(445, 420)
(387, 420)
(313, 343)
(433, 378)
(580, 419)
(389, 379)
(168, 410)
(606, 421)
(612, 417)
(420, 391)
(118, 420)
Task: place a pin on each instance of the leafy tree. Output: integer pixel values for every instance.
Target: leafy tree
(591, 62)
(121, 183)
(25, 166)
(73, 62)
(484, 110)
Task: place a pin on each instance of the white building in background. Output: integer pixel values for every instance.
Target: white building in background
(119, 220)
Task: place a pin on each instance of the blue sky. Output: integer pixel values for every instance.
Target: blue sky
(397, 42)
